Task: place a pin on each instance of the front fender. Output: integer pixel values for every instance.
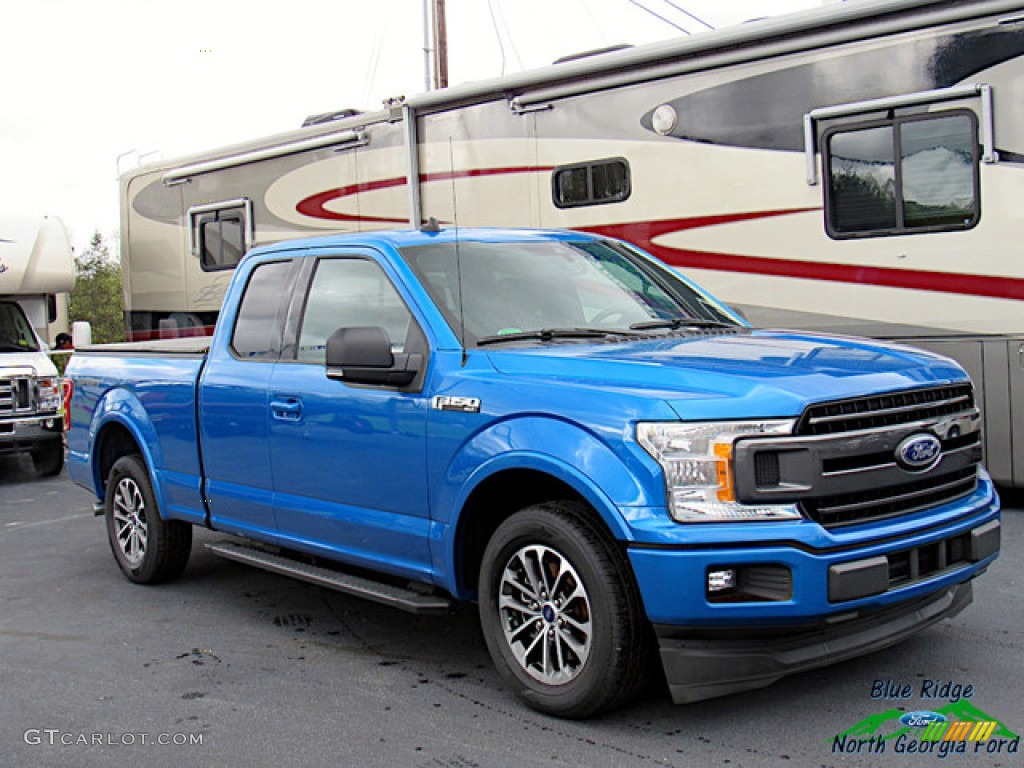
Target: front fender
(572, 454)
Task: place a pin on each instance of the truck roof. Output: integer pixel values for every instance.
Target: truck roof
(404, 238)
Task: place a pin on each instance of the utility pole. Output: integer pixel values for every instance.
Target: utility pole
(427, 45)
(440, 45)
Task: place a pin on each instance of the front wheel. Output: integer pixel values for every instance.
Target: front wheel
(561, 614)
(49, 461)
(147, 548)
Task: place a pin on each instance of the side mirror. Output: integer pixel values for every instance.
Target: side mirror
(362, 355)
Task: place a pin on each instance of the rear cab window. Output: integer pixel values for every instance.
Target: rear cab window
(258, 326)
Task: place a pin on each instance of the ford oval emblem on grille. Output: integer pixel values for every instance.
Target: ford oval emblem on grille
(919, 451)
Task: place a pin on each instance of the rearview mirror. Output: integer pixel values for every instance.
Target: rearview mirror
(362, 355)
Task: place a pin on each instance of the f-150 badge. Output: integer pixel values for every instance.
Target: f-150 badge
(460, 404)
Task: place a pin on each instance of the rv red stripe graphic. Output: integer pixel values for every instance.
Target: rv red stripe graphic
(644, 234)
(316, 205)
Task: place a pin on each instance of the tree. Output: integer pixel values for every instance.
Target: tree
(97, 295)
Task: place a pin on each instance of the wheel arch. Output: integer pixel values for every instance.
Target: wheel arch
(502, 492)
(122, 427)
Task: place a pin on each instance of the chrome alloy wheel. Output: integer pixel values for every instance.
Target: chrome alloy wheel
(545, 614)
(130, 521)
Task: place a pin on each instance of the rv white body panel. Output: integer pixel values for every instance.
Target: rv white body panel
(37, 270)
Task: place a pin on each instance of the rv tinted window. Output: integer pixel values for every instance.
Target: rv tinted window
(910, 174)
(939, 172)
(221, 239)
(602, 181)
(257, 334)
(863, 173)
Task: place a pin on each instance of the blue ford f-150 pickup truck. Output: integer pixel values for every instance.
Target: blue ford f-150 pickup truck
(556, 426)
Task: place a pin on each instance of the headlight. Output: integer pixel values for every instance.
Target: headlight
(697, 459)
(49, 395)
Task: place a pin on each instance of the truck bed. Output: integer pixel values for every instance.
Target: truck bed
(194, 346)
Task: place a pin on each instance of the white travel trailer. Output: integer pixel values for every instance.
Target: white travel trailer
(853, 169)
(36, 274)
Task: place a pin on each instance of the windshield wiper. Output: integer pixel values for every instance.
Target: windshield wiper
(550, 334)
(679, 322)
(5, 347)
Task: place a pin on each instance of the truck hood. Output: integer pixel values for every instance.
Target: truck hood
(737, 375)
(38, 361)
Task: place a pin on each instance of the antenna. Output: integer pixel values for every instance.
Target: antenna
(458, 252)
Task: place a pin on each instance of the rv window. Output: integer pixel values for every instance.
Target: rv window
(601, 181)
(257, 334)
(902, 176)
(221, 239)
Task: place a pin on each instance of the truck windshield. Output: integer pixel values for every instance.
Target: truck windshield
(15, 332)
(545, 290)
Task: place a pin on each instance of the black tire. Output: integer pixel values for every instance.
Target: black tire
(49, 461)
(589, 616)
(148, 549)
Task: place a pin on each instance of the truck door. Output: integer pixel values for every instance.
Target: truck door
(234, 405)
(349, 460)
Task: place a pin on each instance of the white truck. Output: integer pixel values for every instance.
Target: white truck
(36, 275)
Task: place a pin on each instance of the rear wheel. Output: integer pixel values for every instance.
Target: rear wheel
(561, 614)
(147, 548)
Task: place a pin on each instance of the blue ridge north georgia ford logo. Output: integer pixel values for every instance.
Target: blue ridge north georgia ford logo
(919, 451)
(922, 719)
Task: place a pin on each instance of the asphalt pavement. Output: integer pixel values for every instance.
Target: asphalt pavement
(229, 666)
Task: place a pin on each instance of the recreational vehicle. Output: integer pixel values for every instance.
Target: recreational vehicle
(856, 169)
(36, 274)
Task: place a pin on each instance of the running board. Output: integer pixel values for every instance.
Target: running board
(398, 597)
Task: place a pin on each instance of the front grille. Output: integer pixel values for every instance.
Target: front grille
(882, 489)
(847, 461)
(15, 395)
(886, 410)
(880, 503)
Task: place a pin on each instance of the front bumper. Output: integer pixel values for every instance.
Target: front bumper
(805, 597)
(27, 434)
(704, 665)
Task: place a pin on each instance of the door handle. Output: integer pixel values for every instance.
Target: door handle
(286, 409)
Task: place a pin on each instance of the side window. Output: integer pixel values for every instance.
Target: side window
(902, 176)
(220, 235)
(594, 183)
(345, 293)
(257, 334)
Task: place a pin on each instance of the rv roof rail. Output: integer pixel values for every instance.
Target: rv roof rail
(595, 52)
(329, 117)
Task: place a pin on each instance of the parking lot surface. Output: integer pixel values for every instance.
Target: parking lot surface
(229, 666)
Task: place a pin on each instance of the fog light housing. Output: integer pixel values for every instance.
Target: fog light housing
(749, 583)
(721, 580)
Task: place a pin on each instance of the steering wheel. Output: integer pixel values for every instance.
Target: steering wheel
(606, 314)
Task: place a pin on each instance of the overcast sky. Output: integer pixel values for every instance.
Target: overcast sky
(88, 81)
